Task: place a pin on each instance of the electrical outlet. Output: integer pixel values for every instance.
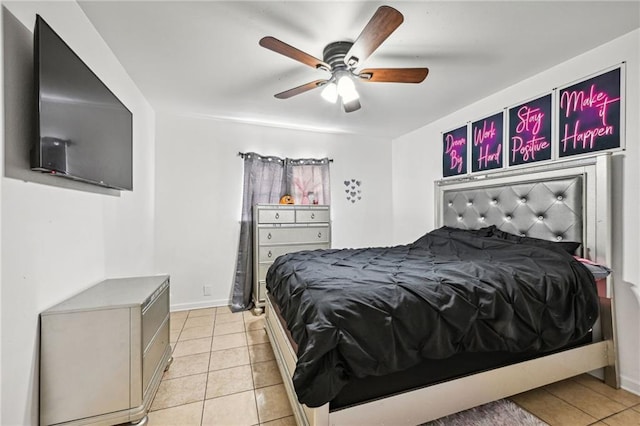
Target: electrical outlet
(206, 290)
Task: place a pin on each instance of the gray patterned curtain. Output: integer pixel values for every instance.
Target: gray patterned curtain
(266, 179)
(264, 182)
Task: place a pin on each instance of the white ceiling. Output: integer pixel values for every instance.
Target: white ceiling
(203, 57)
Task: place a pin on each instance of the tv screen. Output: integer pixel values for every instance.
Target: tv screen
(84, 131)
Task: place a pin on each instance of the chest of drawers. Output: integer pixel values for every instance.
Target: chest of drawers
(103, 352)
(281, 229)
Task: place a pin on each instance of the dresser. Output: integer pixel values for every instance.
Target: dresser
(285, 228)
(103, 352)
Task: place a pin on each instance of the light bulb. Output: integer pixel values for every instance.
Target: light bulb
(330, 92)
(347, 90)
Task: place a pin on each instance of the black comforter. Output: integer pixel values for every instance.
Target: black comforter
(374, 311)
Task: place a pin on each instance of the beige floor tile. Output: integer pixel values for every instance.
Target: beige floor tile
(187, 365)
(584, 398)
(265, 374)
(195, 333)
(226, 358)
(182, 390)
(178, 315)
(173, 335)
(272, 403)
(177, 324)
(225, 310)
(183, 415)
(192, 347)
(255, 337)
(637, 408)
(255, 323)
(228, 381)
(552, 409)
(201, 312)
(619, 395)
(285, 421)
(232, 410)
(229, 341)
(250, 314)
(629, 417)
(261, 352)
(203, 321)
(226, 318)
(228, 328)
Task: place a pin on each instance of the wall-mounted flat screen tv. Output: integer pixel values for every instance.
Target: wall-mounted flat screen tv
(84, 132)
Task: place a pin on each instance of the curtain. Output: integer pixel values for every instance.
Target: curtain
(264, 182)
(308, 180)
(266, 179)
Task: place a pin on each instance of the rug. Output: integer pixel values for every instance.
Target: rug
(498, 413)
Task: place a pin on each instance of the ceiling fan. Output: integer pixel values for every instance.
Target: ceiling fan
(342, 58)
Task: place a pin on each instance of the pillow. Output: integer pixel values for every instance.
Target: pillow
(482, 232)
(567, 246)
(598, 271)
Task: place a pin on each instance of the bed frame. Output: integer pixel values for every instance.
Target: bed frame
(573, 203)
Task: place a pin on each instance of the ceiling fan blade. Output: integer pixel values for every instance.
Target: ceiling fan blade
(283, 48)
(380, 26)
(394, 75)
(351, 106)
(300, 89)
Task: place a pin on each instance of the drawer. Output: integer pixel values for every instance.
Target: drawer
(276, 216)
(153, 316)
(297, 235)
(312, 215)
(262, 291)
(270, 253)
(262, 270)
(153, 355)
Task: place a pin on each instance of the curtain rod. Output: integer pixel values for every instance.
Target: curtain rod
(243, 154)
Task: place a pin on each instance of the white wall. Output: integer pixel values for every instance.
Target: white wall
(199, 178)
(417, 159)
(59, 236)
(1, 162)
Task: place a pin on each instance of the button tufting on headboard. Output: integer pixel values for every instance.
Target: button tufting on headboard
(550, 209)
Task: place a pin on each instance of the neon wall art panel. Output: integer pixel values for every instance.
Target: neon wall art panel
(487, 142)
(530, 131)
(590, 114)
(454, 152)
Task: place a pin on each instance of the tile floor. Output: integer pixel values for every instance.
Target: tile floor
(581, 401)
(224, 373)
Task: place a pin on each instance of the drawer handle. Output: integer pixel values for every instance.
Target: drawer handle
(319, 234)
(269, 254)
(269, 236)
(313, 215)
(277, 215)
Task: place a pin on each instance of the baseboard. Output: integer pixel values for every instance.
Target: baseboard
(175, 307)
(630, 384)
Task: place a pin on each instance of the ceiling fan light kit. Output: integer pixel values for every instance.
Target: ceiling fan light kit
(342, 58)
(330, 92)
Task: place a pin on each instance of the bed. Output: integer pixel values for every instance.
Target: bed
(385, 375)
